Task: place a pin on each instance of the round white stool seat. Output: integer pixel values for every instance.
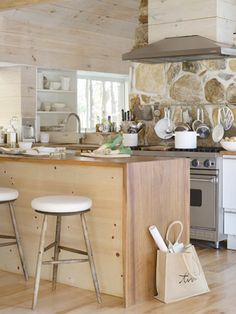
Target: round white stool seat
(7, 194)
(61, 204)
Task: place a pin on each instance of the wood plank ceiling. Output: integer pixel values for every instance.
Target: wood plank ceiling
(117, 17)
(109, 24)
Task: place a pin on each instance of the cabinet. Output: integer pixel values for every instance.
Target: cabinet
(56, 98)
(229, 199)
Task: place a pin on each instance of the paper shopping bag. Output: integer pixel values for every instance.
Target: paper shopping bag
(179, 275)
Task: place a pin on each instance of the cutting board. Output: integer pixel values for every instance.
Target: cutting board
(92, 154)
(156, 147)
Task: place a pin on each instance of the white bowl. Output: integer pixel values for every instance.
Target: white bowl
(227, 145)
(55, 85)
(25, 145)
(58, 106)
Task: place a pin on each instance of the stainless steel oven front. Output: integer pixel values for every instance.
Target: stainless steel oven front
(206, 212)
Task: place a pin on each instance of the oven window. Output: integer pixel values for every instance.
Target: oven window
(195, 198)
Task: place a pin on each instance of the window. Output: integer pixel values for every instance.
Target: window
(101, 94)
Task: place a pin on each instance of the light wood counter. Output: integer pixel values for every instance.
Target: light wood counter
(129, 194)
(226, 152)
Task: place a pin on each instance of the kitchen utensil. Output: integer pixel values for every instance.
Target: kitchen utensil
(185, 139)
(198, 121)
(170, 127)
(203, 129)
(182, 126)
(227, 117)
(218, 130)
(164, 124)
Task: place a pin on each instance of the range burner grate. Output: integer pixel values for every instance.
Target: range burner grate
(199, 149)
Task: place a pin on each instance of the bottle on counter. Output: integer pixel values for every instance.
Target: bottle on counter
(2, 134)
(110, 127)
(98, 125)
(105, 124)
(11, 136)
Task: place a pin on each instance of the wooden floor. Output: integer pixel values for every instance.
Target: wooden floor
(220, 270)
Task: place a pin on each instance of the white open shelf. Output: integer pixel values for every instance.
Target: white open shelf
(55, 91)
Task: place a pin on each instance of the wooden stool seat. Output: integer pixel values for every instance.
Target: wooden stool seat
(62, 205)
(8, 196)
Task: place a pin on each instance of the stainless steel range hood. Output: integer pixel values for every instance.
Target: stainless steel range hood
(185, 48)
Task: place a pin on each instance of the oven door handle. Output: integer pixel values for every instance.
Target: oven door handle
(213, 180)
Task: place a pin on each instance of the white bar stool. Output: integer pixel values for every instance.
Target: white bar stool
(62, 205)
(8, 195)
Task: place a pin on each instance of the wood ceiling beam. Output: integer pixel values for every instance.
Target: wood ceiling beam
(12, 4)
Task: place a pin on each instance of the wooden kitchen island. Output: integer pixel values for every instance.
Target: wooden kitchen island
(129, 195)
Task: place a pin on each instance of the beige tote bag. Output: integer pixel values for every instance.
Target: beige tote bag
(179, 275)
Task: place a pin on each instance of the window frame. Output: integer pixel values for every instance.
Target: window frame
(105, 77)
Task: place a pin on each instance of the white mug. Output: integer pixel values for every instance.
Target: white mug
(44, 137)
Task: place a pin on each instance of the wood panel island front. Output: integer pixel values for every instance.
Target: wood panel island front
(129, 195)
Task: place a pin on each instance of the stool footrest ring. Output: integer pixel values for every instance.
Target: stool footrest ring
(3, 236)
(65, 248)
(7, 244)
(49, 246)
(66, 261)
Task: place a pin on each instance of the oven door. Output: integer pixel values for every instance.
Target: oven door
(203, 201)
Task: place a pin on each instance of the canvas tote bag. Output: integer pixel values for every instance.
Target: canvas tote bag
(179, 275)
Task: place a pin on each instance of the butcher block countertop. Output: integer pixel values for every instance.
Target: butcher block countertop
(226, 152)
(128, 194)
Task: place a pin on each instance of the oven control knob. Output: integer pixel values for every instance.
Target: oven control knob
(195, 163)
(207, 163)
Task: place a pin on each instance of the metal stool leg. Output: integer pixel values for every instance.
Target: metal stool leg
(90, 257)
(18, 240)
(39, 262)
(56, 252)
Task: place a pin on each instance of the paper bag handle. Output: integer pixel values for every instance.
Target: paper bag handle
(176, 222)
(193, 260)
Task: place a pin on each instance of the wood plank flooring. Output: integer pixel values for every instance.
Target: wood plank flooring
(220, 270)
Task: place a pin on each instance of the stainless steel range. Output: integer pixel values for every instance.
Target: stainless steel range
(206, 210)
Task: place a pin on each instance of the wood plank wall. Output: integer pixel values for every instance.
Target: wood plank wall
(10, 94)
(215, 19)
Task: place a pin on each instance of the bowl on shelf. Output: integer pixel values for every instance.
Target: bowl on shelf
(58, 106)
(229, 144)
(55, 85)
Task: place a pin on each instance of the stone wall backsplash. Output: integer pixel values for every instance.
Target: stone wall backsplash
(209, 84)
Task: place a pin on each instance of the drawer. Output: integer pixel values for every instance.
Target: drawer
(230, 221)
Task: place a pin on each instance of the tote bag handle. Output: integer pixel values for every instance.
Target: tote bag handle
(193, 262)
(176, 222)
